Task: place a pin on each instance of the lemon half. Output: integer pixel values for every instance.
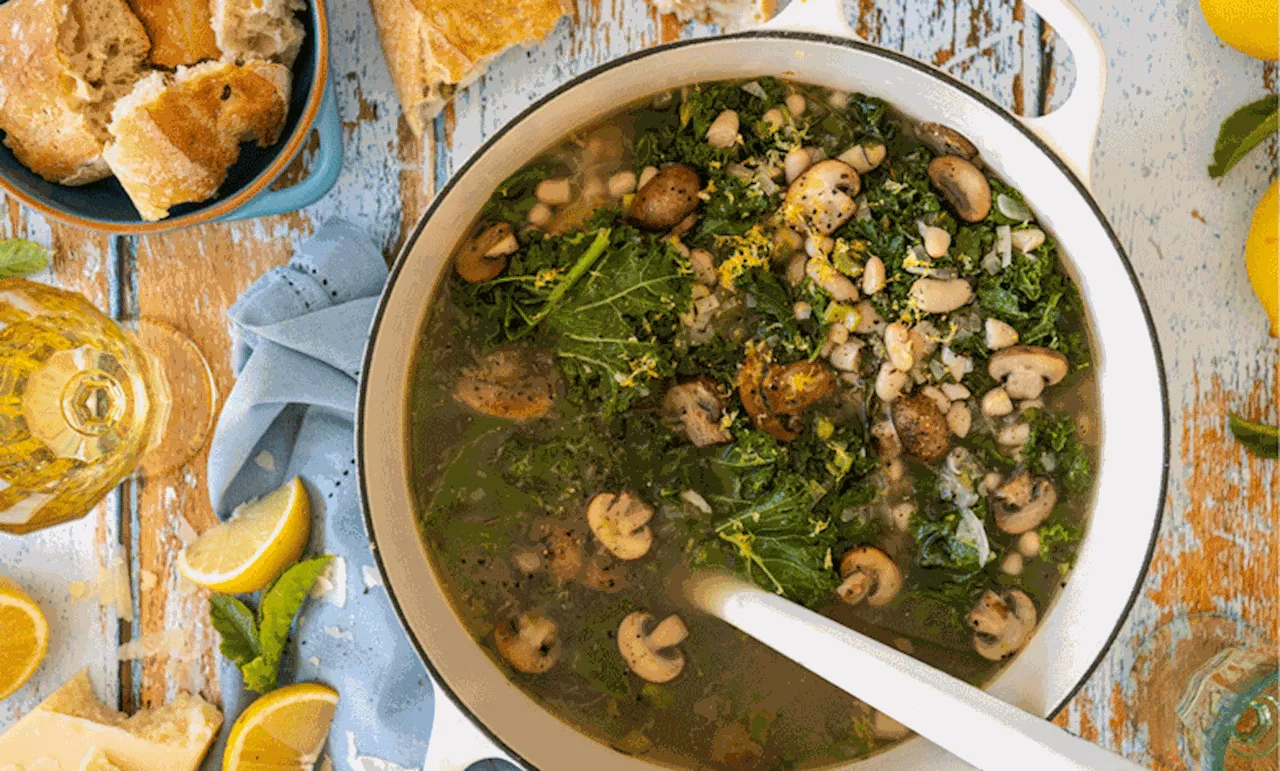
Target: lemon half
(282, 731)
(1249, 26)
(252, 549)
(1261, 254)
(24, 637)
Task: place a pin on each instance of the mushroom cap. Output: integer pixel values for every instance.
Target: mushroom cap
(529, 642)
(791, 388)
(652, 654)
(1023, 504)
(921, 427)
(945, 140)
(1001, 623)
(751, 377)
(869, 573)
(1049, 364)
(508, 383)
(697, 406)
(963, 185)
(620, 523)
(483, 257)
(822, 198)
(666, 199)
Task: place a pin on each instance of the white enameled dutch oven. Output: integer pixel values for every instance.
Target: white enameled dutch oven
(478, 712)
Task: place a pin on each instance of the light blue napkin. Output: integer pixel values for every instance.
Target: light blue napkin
(299, 333)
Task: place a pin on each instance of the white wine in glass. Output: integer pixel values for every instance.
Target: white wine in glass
(83, 404)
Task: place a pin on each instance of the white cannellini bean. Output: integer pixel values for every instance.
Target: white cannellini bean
(959, 419)
(938, 397)
(838, 333)
(838, 99)
(1011, 564)
(863, 158)
(999, 334)
(957, 366)
(996, 403)
(795, 104)
(818, 246)
(773, 117)
(795, 269)
(936, 241)
(540, 214)
(802, 310)
(845, 356)
(646, 175)
(554, 192)
(901, 515)
(786, 238)
(935, 295)
(704, 266)
(873, 276)
(1029, 544)
(868, 320)
(796, 162)
(890, 382)
(833, 281)
(723, 131)
(621, 183)
(897, 341)
(955, 391)
(895, 470)
(991, 481)
(1027, 240)
(1015, 435)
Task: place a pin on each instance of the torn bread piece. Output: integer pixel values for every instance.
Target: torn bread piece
(730, 14)
(181, 31)
(63, 64)
(435, 47)
(174, 137)
(259, 29)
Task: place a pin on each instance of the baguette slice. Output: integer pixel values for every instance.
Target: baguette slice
(174, 137)
(259, 29)
(63, 63)
(181, 31)
(730, 14)
(435, 47)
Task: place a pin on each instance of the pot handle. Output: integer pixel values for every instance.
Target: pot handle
(1072, 129)
(455, 742)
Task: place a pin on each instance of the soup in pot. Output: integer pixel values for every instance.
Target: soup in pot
(766, 327)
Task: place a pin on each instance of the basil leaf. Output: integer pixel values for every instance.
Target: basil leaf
(1258, 438)
(279, 606)
(20, 257)
(1243, 131)
(238, 628)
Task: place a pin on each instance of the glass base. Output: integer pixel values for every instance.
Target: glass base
(1185, 683)
(184, 397)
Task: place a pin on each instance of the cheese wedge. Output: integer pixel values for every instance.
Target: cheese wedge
(73, 731)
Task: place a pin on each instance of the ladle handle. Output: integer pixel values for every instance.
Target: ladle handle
(962, 719)
(455, 742)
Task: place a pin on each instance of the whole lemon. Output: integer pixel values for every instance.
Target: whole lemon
(1250, 26)
(1261, 253)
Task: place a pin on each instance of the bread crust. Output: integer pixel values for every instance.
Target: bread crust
(175, 137)
(434, 47)
(52, 117)
(181, 31)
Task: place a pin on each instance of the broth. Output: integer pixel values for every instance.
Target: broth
(601, 356)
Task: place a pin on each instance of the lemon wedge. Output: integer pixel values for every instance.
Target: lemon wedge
(24, 637)
(283, 731)
(252, 549)
(1262, 254)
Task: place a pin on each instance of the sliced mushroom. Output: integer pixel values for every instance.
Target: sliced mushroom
(1027, 369)
(483, 257)
(791, 388)
(620, 522)
(936, 295)
(508, 383)
(996, 403)
(921, 427)
(1001, 623)
(869, 574)
(666, 199)
(944, 140)
(822, 198)
(963, 185)
(604, 574)
(698, 408)
(1023, 503)
(529, 642)
(565, 553)
(751, 377)
(652, 654)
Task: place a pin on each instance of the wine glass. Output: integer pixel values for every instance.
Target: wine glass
(1204, 686)
(84, 403)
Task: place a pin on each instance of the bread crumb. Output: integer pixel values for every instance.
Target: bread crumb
(331, 584)
(171, 642)
(148, 580)
(265, 461)
(78, 591)
(186, 533)
(371, 576)
(360, 762)
(314, 661)
(115, 589)
(338, 633)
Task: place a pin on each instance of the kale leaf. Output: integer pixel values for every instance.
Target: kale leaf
(1053, 435)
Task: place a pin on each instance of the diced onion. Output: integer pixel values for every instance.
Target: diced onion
(971, 531)
(697, 501)
(755, 89)
(1004, 244)
(1013, 208)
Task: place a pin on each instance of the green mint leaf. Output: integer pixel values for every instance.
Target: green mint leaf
(1244, 130)
(280, 605)
(20, 257)
(1258, 438)
(238, 628)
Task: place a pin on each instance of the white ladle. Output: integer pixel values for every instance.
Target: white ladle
(962, 719)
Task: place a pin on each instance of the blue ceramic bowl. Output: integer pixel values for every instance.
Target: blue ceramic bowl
(104, 205)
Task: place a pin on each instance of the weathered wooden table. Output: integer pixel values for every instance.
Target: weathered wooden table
(1171, 83)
